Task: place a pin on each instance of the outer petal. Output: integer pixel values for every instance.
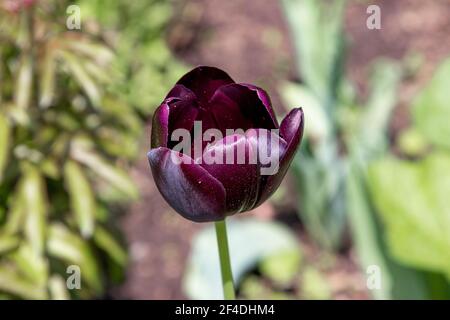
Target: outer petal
(265, 99)
(188, 188)
(160, 126)
(181, 92)
(182, 115)
(291, 130)
(204, 81)
(238, 176)
(240, 106)
(173, 113)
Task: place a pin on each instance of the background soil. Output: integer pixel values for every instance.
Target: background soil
(250, 40)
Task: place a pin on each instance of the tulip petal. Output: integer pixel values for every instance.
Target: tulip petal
(265, 99)
(234, 170)
(174, 113)
(291, 130)
(187, 187)
(160, 126)
(181, 92)
(239, 106)
(204, 81)
(182, 115)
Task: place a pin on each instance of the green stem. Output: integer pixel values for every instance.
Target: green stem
(224, 256)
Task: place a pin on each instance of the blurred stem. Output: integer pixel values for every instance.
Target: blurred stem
(224, 256)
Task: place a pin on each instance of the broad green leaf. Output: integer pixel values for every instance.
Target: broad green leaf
(114, 175)
(397, 281)
(106, 242)
(67, 246)
(431, 109)
(15, 284)
(5, 139)
(250, 241)
(129, 120)
(82, 200)
(34, 196)
(412, 199)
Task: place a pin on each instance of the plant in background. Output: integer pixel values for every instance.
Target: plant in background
(345, 171)
(411, 196)
(65, 141)
(205, 190)
(339, 130)
(144, 66)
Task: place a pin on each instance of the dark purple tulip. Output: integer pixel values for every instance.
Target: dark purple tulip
(209, 192)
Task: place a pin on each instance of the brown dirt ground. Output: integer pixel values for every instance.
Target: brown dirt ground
(249, 39)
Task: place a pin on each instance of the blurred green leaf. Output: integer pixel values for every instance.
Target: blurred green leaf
(412, 143)
(114, 175)
(250, 241)
(318, 127)
(14, 283)
(316, 28)
(281, 267)
(82, 198)
(374, 124)
(16, 213)
(322, 196)
(24, 85)
(47, 81)
(70, 248)
(97, 52)
(8, 243)
(5, 141)
(397, 281)
(314, 286)
(35, 207)
(30, 263)
(106, 242)
(431, 109)
(58, 288)
(412, 201)
(75, 64)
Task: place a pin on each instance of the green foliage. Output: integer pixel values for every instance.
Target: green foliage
(281, 267)
(144, 62)
(397, 281)
(338, 130)
(410, 196)
(434, 101)
(314, 285)
(412, 201)
(344, 136)
(66, 139)
(251, 242)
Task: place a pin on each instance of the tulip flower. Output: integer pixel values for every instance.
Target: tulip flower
(202, 190)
